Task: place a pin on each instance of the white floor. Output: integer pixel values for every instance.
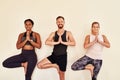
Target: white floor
(51, 74)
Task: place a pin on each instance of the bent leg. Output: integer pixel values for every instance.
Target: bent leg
(45, 63)
(80, 64)
(14, 61)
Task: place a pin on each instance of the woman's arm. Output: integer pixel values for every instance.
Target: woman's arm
(87, 42)
(105, 42)
(20, 44)
(38, 43)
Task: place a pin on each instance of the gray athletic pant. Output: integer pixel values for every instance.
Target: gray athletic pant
(85, 60)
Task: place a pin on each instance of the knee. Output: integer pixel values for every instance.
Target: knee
(40, 65)
(5, 64)
(73, 67)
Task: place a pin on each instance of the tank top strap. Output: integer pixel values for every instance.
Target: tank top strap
(65, 33)
(31, 34)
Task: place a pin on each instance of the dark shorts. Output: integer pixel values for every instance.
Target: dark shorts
(61, 61)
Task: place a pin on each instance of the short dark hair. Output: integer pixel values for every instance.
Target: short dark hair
(29, 20)
(60, 17)
(95, 23)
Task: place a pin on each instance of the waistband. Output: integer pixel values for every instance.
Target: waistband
(54, 54)
(93, 59)
(28, 51)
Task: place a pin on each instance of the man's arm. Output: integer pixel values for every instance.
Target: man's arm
(71, 40)
(50, 40)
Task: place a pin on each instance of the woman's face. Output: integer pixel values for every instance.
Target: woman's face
(28, 26)
(95, 28)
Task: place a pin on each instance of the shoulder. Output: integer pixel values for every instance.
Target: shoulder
(87, 36)
(103, 36)
(37, 34)
(52, 33)
(21, 34)
(69, 32)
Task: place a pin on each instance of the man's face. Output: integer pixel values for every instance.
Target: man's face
(60, 23)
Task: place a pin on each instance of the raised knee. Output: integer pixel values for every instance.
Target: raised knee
(39, 65)
(5, 64)
(73, 67)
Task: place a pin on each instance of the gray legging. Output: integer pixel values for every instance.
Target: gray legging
(85, 60)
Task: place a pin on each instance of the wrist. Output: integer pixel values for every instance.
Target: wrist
(31, 40)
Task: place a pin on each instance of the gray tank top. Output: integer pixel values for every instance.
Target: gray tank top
(31, 37)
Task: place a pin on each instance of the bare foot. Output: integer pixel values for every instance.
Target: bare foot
(25, 66)
(90, 67)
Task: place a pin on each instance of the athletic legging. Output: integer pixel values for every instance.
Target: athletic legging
(85, 60)
(26, 56)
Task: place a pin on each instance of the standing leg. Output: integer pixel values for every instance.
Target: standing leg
(97, 66)
(62, 75)
(80, 64)
(45, 63)
(32, 60)
(62, 63)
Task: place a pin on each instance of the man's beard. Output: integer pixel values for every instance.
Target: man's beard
(60, 26)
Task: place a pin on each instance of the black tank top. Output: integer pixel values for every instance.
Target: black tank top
(31, 37)
(60, 49)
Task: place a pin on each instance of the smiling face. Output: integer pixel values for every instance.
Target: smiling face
(28, 24)
(60, 22)
(95, 28)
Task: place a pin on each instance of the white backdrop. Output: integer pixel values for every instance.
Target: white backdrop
(79, 14)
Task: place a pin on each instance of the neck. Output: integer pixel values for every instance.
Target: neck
(95, 34)
(61, 30)
(29, 31)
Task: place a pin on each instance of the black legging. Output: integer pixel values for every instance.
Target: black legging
(26, 56)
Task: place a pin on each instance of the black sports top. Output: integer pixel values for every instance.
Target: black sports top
(31, 37)
(60, 49)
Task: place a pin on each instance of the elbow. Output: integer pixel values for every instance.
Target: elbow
(108, 46)
(17, 47)
(46, 43)
(74, 44)
(85, 46)
(39, 46)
